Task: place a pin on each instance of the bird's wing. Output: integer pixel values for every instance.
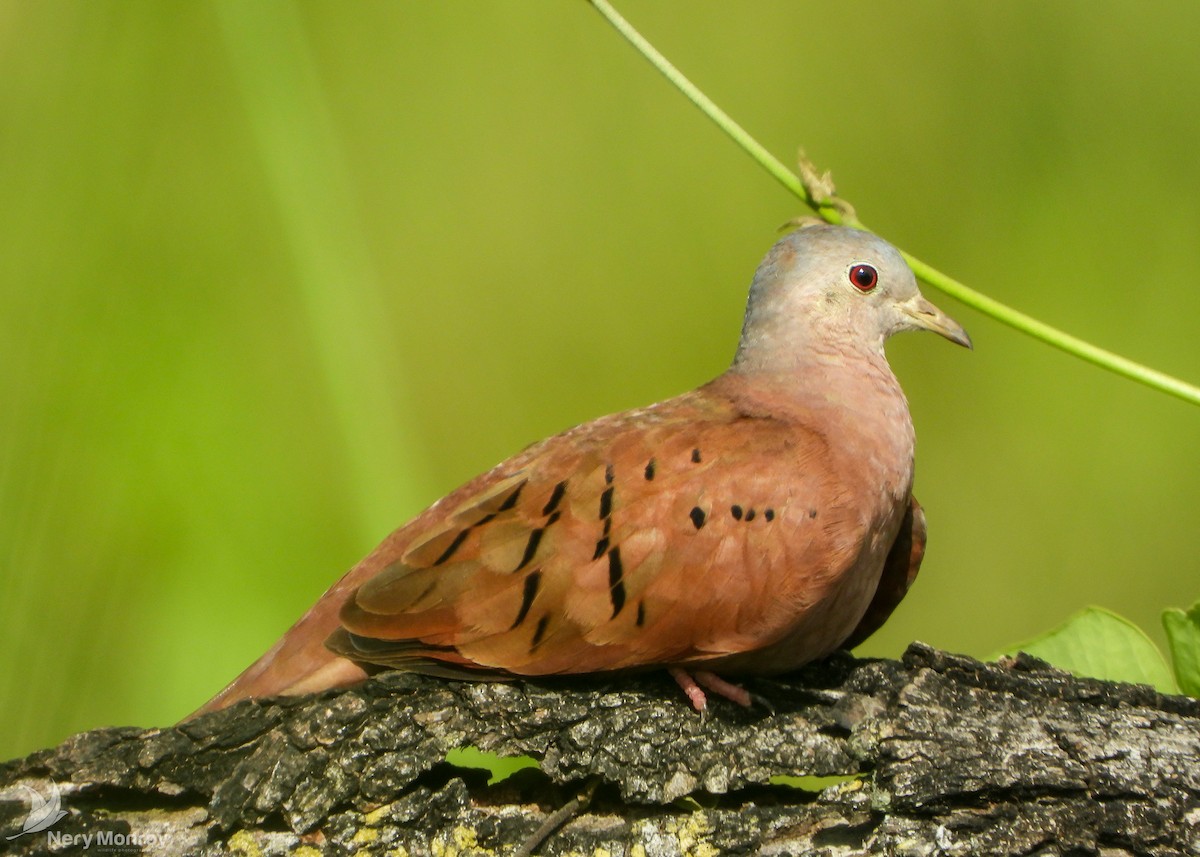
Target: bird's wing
(899, 571)
(671, 535)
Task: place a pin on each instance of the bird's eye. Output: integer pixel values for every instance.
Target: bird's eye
(864, 277)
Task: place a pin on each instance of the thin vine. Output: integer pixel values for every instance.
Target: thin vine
(816, 190)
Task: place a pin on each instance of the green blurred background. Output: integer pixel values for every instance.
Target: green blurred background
(274, 276)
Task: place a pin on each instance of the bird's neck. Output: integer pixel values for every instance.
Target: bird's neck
(852, 394)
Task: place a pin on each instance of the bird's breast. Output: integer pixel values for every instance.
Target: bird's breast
(838, 487)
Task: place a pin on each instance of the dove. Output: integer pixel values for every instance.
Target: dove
(755, 524)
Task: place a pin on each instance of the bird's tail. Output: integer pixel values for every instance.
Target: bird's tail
(299, 662)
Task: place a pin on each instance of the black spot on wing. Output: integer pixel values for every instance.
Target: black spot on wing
(616, 581)
(531, 546)
(601, 547)
(535, 539)
(649, 470)
(511, 499)
(697, 515)
(532, 581)
(539, 632)
(508, 503)
(736, 511)
(555, 498)
(606, 502)
(453, 546)
(606, 508)
(696, 456)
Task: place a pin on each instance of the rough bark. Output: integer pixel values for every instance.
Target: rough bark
(939, 754)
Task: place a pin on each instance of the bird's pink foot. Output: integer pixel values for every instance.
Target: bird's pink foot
(718, 685)
(690, 688)
(691, 683)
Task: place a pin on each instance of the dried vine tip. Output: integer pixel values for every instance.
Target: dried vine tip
(804, 221)
(819, 185)
(821, 194)
(757, 523)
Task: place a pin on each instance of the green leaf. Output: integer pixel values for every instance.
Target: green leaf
(811, 783)
(1100, 644)
(1183, 638)
(500, 767)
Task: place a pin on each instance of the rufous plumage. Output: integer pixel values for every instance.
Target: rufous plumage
(748, 527)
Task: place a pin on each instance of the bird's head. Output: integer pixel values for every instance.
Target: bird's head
(833, 289)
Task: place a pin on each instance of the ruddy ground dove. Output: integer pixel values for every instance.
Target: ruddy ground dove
(747, 527)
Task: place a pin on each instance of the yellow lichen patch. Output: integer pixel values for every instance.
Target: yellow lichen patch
(365, 835)
(692, 835)
(854, 785)
(306, 851)
(243, 844)
(463, 840)
(376, 815)
(637, 850)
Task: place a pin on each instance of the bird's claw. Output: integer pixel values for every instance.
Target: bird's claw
(694, 684)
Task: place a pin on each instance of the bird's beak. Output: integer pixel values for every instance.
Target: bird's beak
(926, 316)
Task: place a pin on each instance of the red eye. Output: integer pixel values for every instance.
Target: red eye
(864, 277)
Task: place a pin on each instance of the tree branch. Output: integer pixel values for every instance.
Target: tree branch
(942, 754)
